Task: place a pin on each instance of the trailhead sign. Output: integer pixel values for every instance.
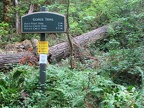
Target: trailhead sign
(43, 22)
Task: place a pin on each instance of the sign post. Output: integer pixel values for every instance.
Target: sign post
(42, 63)
(43, 22)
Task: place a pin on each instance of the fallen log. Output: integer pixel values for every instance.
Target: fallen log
(59, 51)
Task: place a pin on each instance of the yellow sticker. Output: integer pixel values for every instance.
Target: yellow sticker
(43, 47)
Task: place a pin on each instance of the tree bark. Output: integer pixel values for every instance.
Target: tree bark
(31, 9)
(6, 17)
(17, 17)
(59, 51)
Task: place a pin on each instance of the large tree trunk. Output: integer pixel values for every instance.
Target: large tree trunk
(59, 51)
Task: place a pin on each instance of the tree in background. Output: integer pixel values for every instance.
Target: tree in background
(6, 17)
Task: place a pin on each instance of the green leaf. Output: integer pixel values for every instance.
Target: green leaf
(17, 74)
(2, 82)
(95, 89)
(21, 80)
(3, 88)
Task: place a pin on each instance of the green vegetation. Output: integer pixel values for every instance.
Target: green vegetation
(65, 88)
(115, 80)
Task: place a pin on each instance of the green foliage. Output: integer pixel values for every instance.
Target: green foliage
(96, 14)
(1, 11)
(64, 88)
(118, 82)
(124, 46)
(3, 26)
(122, 66)
(3, 32)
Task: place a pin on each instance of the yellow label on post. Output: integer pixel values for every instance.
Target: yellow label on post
(43, 47)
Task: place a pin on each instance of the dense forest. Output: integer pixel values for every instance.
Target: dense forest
(106, 71)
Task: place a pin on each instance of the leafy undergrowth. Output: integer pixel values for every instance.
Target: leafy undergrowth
(65, 88)
(115, 80)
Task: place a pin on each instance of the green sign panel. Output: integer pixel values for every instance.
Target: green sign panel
(43, 22)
